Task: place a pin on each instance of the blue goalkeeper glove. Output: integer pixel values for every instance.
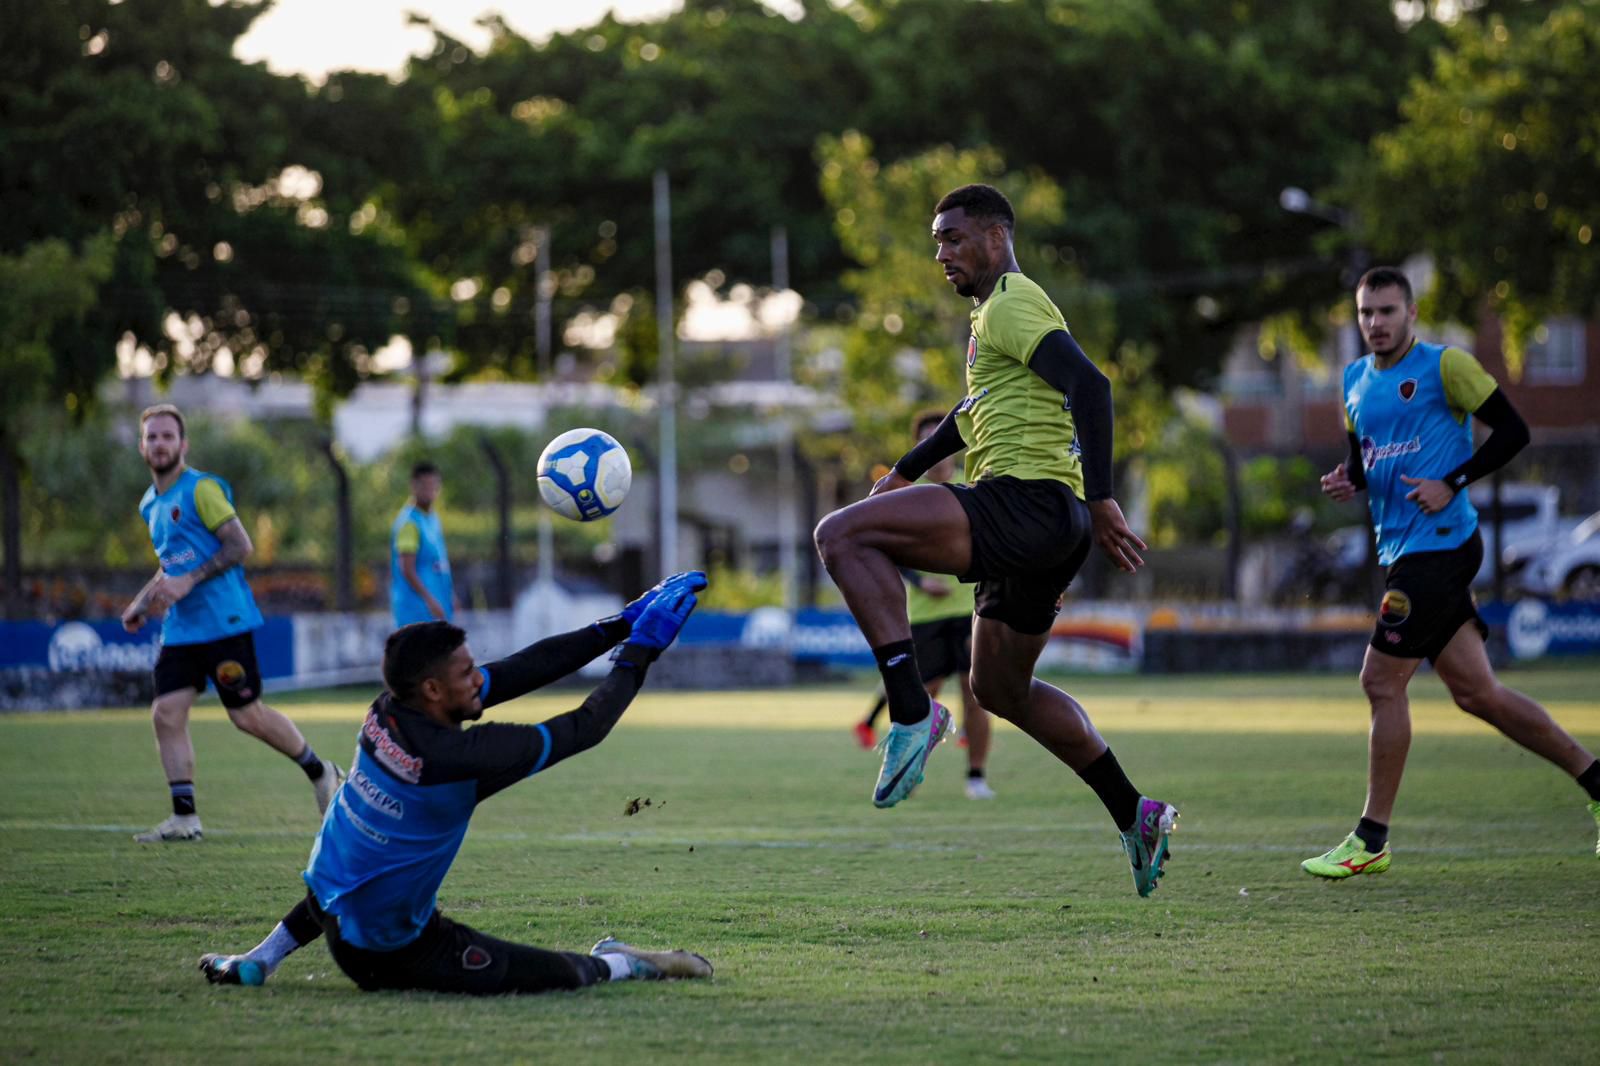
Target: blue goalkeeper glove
(660, 623)
(695, 580)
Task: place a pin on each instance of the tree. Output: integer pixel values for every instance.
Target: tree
(1495, 170)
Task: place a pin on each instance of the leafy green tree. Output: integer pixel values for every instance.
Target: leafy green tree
(1495, 170)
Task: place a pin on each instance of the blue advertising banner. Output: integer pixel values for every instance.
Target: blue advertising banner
(76, 647)
(813, 636)
(1535, 628)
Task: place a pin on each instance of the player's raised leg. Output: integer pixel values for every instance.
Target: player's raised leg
(863, 547)
(1464, 668)
(1002, 678)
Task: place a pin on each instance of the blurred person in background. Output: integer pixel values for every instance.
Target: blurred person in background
(940, 613)
(1408, 411)
(209, 616)
(420, 586)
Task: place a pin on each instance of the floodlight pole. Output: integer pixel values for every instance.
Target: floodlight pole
(544, 291)
(788, 558)
(667, 513)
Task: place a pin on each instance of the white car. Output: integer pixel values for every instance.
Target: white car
(1567, 566)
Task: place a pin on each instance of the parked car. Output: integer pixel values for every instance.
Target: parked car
(1567, 566)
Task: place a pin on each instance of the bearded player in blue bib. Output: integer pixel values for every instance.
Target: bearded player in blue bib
(210, 614)
(1408, 408)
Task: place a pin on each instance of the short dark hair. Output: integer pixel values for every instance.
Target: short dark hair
(413, 653)
(422, 468)
(982, 202)
(930, 416)
(1383, 277)
(156, 410)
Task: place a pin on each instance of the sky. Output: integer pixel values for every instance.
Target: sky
(312, 37)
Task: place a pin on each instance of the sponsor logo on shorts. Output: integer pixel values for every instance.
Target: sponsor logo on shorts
(1408, 389)
(230, 674)
(1395, 608)
(475, 958)
(1392, 637)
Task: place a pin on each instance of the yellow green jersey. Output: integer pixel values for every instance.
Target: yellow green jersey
(1013, 421)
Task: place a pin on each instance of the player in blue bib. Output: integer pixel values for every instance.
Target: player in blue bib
(1408, 409)
(420, 586)
(209, 617)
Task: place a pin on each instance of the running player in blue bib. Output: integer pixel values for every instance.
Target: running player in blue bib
(420, 586)
(206, 635)
(1408, 408)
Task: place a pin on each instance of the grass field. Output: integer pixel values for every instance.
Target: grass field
(943, 931)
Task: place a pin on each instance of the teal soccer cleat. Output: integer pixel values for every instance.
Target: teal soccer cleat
(1146, 843)
(905, 753)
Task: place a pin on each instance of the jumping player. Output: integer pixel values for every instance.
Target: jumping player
(1036, 423)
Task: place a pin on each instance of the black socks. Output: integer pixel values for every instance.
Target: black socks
(902, 682)
(182, 796)
(1589, 780)
(1105, 776)
(1373, 835)
(309, 762)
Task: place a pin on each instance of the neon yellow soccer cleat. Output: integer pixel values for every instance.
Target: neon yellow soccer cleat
(1351, 857)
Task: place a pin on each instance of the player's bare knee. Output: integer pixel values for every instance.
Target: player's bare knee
(1382, 686)
(1001, 695)
(832, 538)
(247, 719)
(1480, 701)
(168, 715)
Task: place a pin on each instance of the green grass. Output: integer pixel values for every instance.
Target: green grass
(943, 931)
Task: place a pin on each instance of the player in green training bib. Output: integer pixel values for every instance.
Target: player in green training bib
(1036, 423)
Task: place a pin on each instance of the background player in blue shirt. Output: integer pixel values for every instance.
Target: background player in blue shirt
(1408, 408)
(209, 615)
(420, 586)
(418, 775)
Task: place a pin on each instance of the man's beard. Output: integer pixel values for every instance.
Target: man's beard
(163, 471)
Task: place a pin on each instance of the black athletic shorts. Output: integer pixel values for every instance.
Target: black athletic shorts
(1029, 540)
(451, 957)
(944, 646)
(1428, 598)
(229, 663)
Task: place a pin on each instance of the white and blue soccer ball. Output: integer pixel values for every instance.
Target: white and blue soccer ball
(584, 474)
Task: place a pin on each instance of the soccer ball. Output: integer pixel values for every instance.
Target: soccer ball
(584, 474)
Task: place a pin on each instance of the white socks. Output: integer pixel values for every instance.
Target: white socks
(620, 969)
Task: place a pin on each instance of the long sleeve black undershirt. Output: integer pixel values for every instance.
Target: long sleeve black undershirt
(942, 443)
(586, 725)
(549, 660)
(1062, 364)
(1508, 435)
